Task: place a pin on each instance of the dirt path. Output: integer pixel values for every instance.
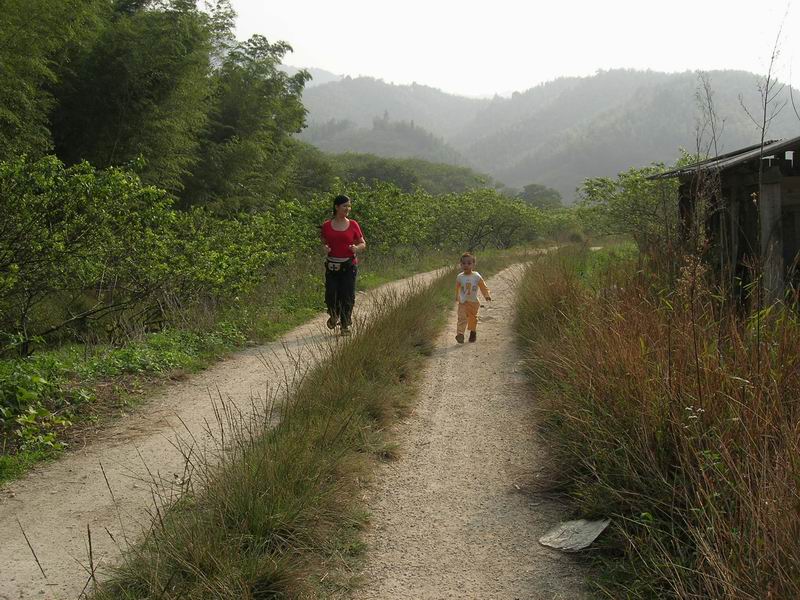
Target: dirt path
(451, 518)
(56, 502)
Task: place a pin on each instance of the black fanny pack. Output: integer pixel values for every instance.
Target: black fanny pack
(339, 266)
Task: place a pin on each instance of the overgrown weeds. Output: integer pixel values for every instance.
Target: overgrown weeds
(671, 413)
(272, 510)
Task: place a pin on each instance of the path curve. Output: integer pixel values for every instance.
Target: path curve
(453, 517)
(56, 502)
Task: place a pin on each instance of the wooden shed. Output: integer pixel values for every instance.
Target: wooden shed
(747, 227)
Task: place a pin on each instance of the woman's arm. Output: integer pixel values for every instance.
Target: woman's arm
(324, 240)
(359, 246)
(358, 237)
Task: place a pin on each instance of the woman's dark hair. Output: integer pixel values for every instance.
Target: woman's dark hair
(340, 199)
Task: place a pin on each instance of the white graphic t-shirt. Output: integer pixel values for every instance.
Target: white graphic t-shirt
(467, 287)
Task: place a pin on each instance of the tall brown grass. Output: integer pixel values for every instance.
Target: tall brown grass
(675, 413)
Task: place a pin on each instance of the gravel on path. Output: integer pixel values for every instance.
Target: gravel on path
(454, 516)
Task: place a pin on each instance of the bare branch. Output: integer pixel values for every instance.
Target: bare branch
(747, 111)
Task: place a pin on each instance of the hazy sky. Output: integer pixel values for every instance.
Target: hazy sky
(479, 48)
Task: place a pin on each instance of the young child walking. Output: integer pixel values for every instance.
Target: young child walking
(468, 283)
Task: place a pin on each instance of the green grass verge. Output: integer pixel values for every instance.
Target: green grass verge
(80, 385)
(279, 515)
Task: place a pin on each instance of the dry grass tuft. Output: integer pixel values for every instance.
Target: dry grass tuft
(676, 415)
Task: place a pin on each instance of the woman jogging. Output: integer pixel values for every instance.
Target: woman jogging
(342, 239)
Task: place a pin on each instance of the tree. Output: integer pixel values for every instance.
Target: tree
(34, 34)
(311, 170)
(541, 196)
(483, 218)
(140, 91)
(632, 204)
(373, 169)
(222, 25)
(246, 152)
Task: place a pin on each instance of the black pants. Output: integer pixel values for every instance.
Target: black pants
(340, 293)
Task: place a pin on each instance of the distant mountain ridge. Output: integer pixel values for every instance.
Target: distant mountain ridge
(387, 138)
(362, 99)
(557, 133)
(318, 76)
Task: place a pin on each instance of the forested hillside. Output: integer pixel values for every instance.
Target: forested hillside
(387, 138)
(557, 133)
(362, 99)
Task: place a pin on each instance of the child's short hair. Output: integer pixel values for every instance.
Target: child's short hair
(467, 255)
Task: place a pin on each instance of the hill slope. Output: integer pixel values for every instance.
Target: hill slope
(318, 76)
(392, 139)
(363, 99)
(557, 133)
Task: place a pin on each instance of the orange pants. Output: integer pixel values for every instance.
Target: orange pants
(467, 316)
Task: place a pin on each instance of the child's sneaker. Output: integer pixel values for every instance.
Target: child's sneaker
(460, 338)
(332, 322)
(473, 335)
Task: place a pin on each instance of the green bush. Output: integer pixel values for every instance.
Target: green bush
(95, 252)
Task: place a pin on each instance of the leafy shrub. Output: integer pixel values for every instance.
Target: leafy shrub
(74, 231)
(98, 251)
(35, 403)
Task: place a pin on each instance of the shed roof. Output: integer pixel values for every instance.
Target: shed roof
(731, 159)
